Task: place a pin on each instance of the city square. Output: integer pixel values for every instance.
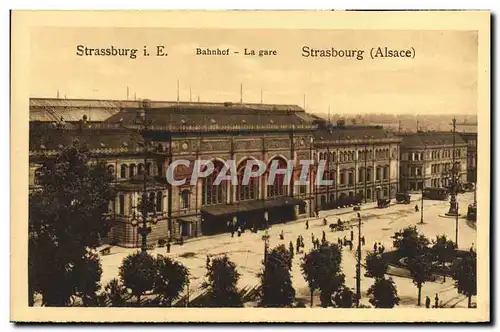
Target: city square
(378, 225)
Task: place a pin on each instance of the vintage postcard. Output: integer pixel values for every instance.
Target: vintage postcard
(250, 166)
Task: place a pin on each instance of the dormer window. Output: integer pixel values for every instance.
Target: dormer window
(125, 144)
(183, 122)
(272, 121)
(103, 145)
(212, 121)
(243, 121)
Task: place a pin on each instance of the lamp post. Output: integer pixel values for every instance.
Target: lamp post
(423, 185)
(265, 238)
(147, 215)
(453, 211)
(358, 264)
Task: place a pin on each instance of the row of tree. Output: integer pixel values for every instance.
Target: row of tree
(423, 258)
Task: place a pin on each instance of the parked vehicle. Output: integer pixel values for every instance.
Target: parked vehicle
(436, 193)
(403, 198)
(471, 212)
(383, 203)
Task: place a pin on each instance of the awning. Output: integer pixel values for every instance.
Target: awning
(250, 206)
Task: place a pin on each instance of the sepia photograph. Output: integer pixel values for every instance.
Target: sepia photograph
(250, 166)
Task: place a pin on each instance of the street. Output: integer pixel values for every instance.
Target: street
(378, 225)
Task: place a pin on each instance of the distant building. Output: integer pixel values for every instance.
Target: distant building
(471, 139)
(362, 161)
(427, 160)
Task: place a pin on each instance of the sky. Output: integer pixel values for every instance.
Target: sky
(442, 78)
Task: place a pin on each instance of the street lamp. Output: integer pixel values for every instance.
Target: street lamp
(423, 185)
(265, 238)
(358, 264)
(147, 209)
(144, 220)
(453, 211)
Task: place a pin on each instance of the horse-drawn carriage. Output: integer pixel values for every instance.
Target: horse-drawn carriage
(383, 203)
(338, 226)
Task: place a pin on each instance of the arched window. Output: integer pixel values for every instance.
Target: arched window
(278, 187)
(334, 156)
(211, 193)
(140, 169)
(148, 169)
(36, 177)
(121, 204)
(131, 170)
(152, 201)
(246, 191)
(185, 199)
(159, 201)
(123, 171)
(159, 169)
(111, 170)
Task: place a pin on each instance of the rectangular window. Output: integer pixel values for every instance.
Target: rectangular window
(121, 202)
(303, 189)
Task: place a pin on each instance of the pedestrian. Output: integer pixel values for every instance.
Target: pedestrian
(427, 302)
(318, 245)
(208, 261)
(345, 240)
(232, 231)
(168, 247)
(382, 249)
(352, 235)
(416, 207)
(298, 245)
(375, 247)
(290, 246)
(307, 224)
(324, 221)
(239, 231)
(340, 242)
(282, 236)
(312, 237)
(436, 301)
(324, 237)
(350, 245)
(363, 240)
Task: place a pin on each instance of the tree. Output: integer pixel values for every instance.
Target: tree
(345, 298)
(87, 277)
(444, 251)
(376, 265)
(170, 280)
(276, 284)
(465, 276)
(409, 243)
(115, 293)
(420, 269)
(66, 220)
(383, 293)
(321, 269)
(138, 273)
(221, 282)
